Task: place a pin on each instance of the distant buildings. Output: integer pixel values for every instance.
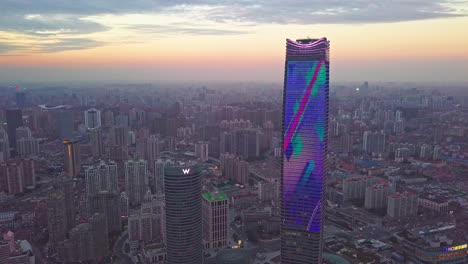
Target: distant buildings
(153, 146)
(101, 177)
(402, 205)
(4, 145)
(86, 242)
(97, 143)
(16, 175)
(374, 142)
(215, 215)
(201, 151)
(268, 191)
(108, 204)
(136, 179)
(56, 217)
(92, 118)
(183, 215)
(14, 118)
(25, 143)
(119, 136)
(234, 168)
(72, 162)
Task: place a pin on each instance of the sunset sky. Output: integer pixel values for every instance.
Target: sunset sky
(144, 40)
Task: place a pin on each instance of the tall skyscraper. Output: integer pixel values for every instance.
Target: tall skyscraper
(201, 151)
(56, 217)
(14, 119)
(153, 148)
(304, 173)
(119, 136)
(64, 123)
(4, 145)
(97, 144)
(158, 179)
(92, 118)
(72, 162)
(182, 184)
(215, 215)
(108, 204)
(373, 142)
(66, 186)
(101, 177)
(136, 180)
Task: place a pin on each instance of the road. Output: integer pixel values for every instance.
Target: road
(122, 258)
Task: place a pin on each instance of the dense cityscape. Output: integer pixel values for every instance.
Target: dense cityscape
(174, 172)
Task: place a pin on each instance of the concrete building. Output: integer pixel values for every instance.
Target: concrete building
(268, 191)
(402, 205)
(97, 144)
(136, 179)
(4, 145)
(376, 196)
(72, 163)
(215, 220)
(92, 118)
(119, 136)
(434, 203)
(101, 177)
(201, 151)
(374, 142)
(234, 168)
(355, 187)
(154, 146)
(108, 204)
(56, 217)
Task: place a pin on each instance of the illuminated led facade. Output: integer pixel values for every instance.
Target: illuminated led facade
(304, 170)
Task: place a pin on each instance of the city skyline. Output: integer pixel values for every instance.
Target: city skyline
(149, 41)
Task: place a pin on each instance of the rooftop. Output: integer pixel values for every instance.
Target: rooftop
(215, 197)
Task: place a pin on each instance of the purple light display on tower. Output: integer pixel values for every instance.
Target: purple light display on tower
(305, 134)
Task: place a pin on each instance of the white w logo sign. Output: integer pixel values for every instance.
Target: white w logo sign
(186, 171)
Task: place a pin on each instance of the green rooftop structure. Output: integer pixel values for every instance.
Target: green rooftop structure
(215, 196)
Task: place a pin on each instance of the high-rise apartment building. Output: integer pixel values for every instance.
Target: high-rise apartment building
(158, 177)
(72, 162)
(4, 145)
(97, 144)
(234, 168)
(56, 217)
(201, 151)
(92, 118)
(153, 148)
(355, 188)
(101, 177)
(215, 216)
(14, 118)
(402, 205)
(136, 180)
(119, 136)
(182, 186)
(147, 224)
(374, 142)
(67, 186)
(108, 204)
(376, 196)
(304, 170)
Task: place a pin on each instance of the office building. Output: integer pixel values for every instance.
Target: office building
(304, 170)
(97, 144)
(402, 205)
(201, 151)
(215, 220)
(101, 177)
(56, 217)
(72, 162)
(14, 118)
(4, 145)
(92, 118)
(64, 123)
(376, 196)
(182, 185)
(136, 179)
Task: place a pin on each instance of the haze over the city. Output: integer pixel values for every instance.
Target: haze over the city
(44, 40)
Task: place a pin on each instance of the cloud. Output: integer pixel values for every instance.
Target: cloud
(67, 23)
